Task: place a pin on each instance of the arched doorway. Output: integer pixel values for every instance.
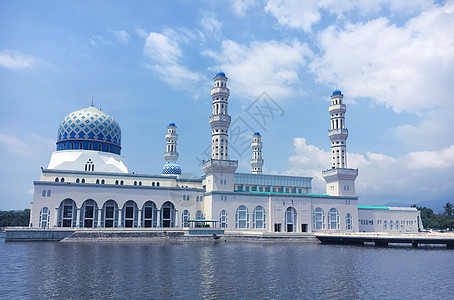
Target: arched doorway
(67, 213)
(168, 214)
(130, 214)
(89, 214)
(109, 214)
(290, 219)
(149, 214)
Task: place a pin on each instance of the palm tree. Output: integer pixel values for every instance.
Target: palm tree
(448, 209)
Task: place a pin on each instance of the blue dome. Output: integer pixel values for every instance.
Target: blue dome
(171, 169)
(257, 133)
(337, 92)
(172, 124)
(89, 129)
(220, 73)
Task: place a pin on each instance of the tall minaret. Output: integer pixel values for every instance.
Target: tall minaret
(340, 181)
(171, 155)
(256, 161)
(219, 169)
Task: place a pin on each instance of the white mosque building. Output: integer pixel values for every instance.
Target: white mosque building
(87, 184)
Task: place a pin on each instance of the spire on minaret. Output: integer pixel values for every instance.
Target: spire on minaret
(91, 100)
(256, 161)
(171, 155)
(340, 181)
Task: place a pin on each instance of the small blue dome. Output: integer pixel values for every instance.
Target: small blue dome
(172, 124)
(171, 169)
(257, 133)
(220, 73)
(337, 92)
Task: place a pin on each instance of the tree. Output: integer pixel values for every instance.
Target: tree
(448, 209)
(15, 218)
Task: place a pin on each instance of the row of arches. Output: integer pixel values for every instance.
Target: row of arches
(110, 215)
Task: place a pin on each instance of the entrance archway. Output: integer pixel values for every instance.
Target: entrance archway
(67, 213)
(290, 219)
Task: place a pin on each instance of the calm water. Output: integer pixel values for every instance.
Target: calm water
(222, 270)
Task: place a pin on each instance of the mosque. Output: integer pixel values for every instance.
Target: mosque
(87, 184)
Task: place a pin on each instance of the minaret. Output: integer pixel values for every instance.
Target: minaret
(171, 154)
(340, 181)
(256, 161)
(219, 169)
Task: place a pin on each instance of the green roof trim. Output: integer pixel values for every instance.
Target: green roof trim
(372, 207)
(281, 193)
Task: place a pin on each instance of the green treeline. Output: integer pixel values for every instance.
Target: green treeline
(14, 218)
(444, 221)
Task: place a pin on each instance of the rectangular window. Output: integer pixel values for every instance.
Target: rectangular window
(277, 227)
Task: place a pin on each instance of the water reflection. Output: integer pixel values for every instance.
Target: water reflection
(229, 270)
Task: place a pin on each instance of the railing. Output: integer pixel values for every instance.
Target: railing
(338, 131)
(340, 171)
(226, 118)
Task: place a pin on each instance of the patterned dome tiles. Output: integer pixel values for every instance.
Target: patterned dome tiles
(91, 124)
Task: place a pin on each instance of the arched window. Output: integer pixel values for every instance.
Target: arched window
(44, 193)
(67, 213)
(152, 184)
(116, 182)
(109, 215)
(48, 193)
(97, 181)
(130, 214)
(140, 183)
(223, 219)
(391, 225)
(184, 197)
(259, 218)
(62, 180)
(157, 183)
(121, 182)
(385, 225)
(44, 217)
(333, 219)
(319, 219)
(397, 225)
(135, 182)
(168, 214)
(103, 181)
(348, 222)
(89, 213)
(242, 217)
(186, 216)
(56, 179)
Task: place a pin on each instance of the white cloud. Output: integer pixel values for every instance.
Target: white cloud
(240, 7)
(16, 60)
(398, 179)
(270, 66)
(122, 36)
(210, 25)
(303, 15)
(165, 54)
(407, 69)
(28, 148)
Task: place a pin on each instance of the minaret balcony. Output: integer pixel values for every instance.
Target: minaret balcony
(220, 90)
(345, 173)
(171, 156)
(337, 108)
(220, 120)
(338, 133)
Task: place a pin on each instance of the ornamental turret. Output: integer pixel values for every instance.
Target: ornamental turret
(340, 181)
(219, 169)
(256, 161)
(171, 154)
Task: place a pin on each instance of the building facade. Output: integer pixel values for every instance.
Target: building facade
(87, 184)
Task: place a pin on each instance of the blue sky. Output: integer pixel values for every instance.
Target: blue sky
(148, 63)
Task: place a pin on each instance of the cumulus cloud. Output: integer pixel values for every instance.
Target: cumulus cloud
(240, 7)
(122, 36)
(270, 66)
(16, 60)
(28, 148)
(210, 25)
(303, 15)
(383, 177)
(164, 52)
